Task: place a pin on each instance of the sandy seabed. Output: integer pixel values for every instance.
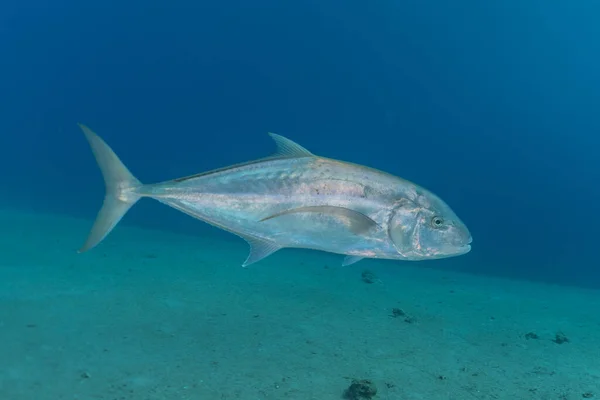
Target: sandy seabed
(153, 315)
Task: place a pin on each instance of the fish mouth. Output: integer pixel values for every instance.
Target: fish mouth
(464, 247)
(452, 251)
(467, 246)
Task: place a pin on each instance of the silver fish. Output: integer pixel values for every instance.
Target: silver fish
(295, 199)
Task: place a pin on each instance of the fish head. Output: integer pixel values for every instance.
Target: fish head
(425, 227)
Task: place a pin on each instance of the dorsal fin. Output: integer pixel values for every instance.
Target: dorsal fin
(288, 148)
(285, 149)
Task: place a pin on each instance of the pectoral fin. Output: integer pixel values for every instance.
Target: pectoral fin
(357, 222)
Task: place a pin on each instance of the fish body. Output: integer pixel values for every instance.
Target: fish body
(295, 199)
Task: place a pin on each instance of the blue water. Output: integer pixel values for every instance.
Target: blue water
(491, 105)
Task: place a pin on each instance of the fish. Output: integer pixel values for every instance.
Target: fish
(294, 199)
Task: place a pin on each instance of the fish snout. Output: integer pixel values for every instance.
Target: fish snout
(462, 239)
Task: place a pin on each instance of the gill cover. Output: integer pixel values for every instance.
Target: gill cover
(403, 226)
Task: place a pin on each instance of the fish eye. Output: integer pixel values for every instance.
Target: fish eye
(437, 222)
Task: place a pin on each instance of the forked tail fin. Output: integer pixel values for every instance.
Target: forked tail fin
(120, 189)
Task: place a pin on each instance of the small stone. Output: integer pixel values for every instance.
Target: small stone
(560, 338)
(398, 312)
(531, 335)
(368, 276)
(363, 389)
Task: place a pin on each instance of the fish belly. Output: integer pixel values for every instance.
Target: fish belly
(317, 231)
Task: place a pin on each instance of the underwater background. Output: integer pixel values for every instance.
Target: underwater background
(492, 105)
(496, 102)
